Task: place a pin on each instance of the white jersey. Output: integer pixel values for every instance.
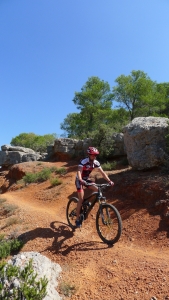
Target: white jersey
(88, 166)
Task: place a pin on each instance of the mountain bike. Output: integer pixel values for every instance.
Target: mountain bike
(108, 219)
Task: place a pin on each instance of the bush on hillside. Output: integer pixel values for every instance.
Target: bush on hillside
(37, 177)
(109, 166)
(27, 287)
(8, 247)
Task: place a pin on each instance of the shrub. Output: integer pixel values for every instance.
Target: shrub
(67, 289)
(61, 171)
(43, 175)
(5, 249)
(28, 288)
(55, 181)
(9, 209)
(30, 177)
(16, 245)
(109, 166)
(53, 169)
(11, 221)
(9, 246)
(37, 177)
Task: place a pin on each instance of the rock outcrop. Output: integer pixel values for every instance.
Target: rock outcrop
(145, 143)
(13, 155)
(142, 141)
(66, 148)
(119, 147)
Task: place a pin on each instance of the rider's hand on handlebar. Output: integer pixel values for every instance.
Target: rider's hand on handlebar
(111, 183)
(83, 182)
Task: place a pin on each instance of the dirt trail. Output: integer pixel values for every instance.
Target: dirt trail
(137, 267)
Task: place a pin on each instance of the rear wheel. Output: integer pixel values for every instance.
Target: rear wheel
(71, 211)
(108, 224)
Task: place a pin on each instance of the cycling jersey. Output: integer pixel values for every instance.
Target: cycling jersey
(88, 166)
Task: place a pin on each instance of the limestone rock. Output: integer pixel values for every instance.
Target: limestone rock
(119, 147)
(16, 148)
(11, 155)
(144, 139)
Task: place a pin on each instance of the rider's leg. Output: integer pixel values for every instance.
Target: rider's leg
(93, 187)
(80, 193)
(79, 204)
(81, 197)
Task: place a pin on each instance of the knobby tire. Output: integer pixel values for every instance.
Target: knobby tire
(108, 224)
(71, 211)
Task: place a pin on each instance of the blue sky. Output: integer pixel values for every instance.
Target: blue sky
(49, 49)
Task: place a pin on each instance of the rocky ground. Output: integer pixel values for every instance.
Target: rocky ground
(137, 267)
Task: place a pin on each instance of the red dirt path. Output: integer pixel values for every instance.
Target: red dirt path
(137, 267)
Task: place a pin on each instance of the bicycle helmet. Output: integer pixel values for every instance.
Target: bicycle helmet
(93, 151)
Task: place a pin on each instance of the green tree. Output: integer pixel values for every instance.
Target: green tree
(102, 139)
(118, 118)
(135, 92)
(24, 140)
(163, 89)
(73, 125)
(38, 143)
(94, 102)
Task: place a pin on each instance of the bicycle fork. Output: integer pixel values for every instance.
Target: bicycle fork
(107, 215)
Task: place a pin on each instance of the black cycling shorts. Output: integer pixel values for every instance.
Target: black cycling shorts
(79, 186)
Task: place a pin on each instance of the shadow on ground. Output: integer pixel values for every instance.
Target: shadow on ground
(61, 235)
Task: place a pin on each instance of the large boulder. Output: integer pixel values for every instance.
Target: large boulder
(11, 155)
(16, 148)
(119, 147)
(67, 148)
(144, 140)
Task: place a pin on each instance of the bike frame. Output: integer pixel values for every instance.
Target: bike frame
(98, 196)
(106, 215)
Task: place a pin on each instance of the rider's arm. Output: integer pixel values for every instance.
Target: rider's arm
(79, 172)
(104, 174)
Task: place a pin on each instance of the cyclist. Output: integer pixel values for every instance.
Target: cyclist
(85, 167)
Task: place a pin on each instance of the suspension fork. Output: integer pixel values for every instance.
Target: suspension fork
(101, 213)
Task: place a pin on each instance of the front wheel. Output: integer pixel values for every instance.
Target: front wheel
(108, 224)
(71, 211)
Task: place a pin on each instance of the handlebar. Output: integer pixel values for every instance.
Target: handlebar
(102, 185)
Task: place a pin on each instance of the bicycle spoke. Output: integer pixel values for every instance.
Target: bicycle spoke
(73, 213)
(108, 224)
